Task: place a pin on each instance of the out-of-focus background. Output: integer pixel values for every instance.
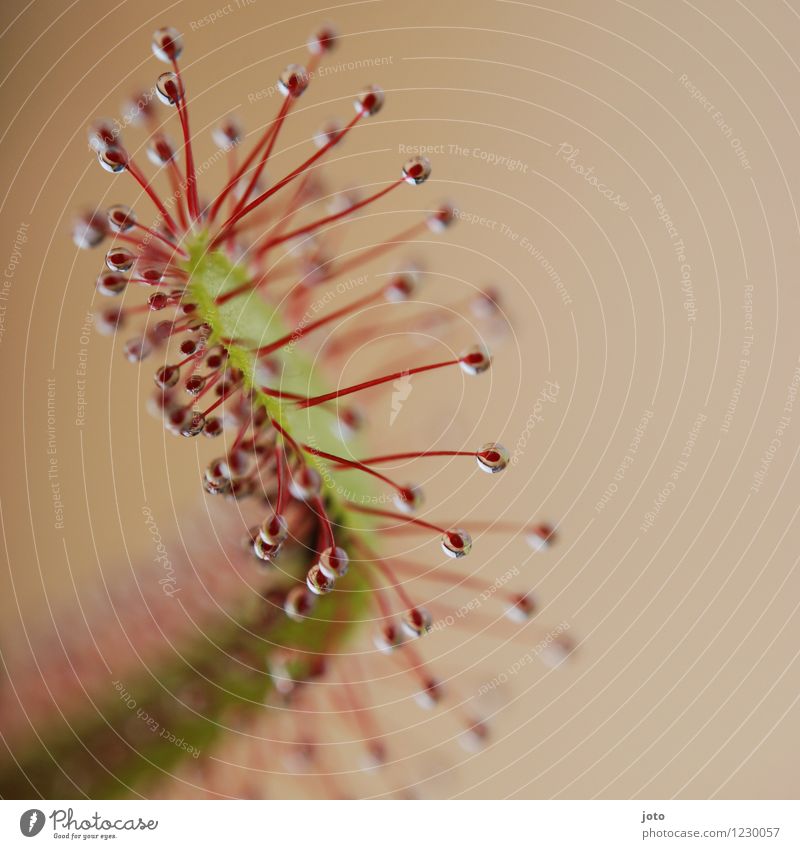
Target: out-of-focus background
(627, 177)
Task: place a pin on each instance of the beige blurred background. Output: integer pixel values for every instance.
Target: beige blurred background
(676, 569)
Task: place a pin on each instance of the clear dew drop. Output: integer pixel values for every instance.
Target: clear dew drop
(228, 134)
(264, 550)
(349, 421)
(416, 622)
(194, 384)
(430, 696)
(299, 603)
(110, 284)
(121, 218)
(213, 427)
(334, 563)
(401, 288)
(520, 608)
(135, 350)
(216, 489)
(101, 134)
(293, 81)
(305, 483)
(456, 543)
(217, 472)
(442, 218)
(151, 275)
(417, 170)
(161, 150)
(323, 40)
(158, 301)
(168, 88)
(557, 652)
(274, 529)
(194, 425)
(236, 464)
(109, 320)
(492, 458)
(176, 417)
(137, 107)
(410, 499)
(327, 133)
(167, 44)
(486, 304)
(167, 376)
(370, 100)
(374, 757)
(540, 537)
(162, 330)
(318, 582)
(120, 259)
(88, 231)
(475, 360)
(387, 639)
(474, 738)
(113, 159)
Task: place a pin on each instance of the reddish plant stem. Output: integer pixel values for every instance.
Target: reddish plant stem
(386, 570)
(326, 522)
(335, 216)
(280, 473)
(413, 455)
(339, 393)
(169, 221)
(352, 464)
(176, 180)
(191, 175)
(300, 331)
(390, 514)
(278, 123)
(232, 220)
